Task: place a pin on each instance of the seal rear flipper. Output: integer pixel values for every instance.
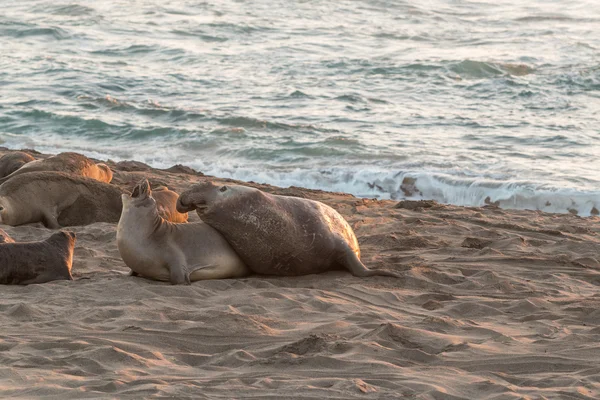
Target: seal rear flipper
(351, 262)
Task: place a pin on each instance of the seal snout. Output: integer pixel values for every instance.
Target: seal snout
(183, 205)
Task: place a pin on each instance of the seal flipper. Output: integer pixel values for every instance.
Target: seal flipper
(133, 273)
(351, 262)
(179, 275)
(50, 221)
(215, 271)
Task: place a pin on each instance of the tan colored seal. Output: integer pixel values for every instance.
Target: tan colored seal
(178, 253)
(37, 262)
(58, 199)
(278, 235)
(5, 238)
(12, 161)
(72, 163)
(166, 203)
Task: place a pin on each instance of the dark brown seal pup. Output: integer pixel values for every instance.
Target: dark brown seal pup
(72, 163)
(178, 253)
(278, 235)
(58, 199)
(37, 262)
(12, 161)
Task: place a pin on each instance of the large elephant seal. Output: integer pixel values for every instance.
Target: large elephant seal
(58, 199)
(278, 235)
(72, 163)
(178, 253)
(166, 203)
(12, 161)
(37, 262)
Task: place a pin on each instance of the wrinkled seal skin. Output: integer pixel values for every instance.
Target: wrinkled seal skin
(178, 253)
(12, 161)
(278, 235)
(73, 163)
(166, 202)
(58, 199)
(37, 262)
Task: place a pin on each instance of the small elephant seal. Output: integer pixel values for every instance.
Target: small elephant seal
(166, 202)
(178, 253)
(72, 163)
(5, 238)
(37, 262)
(278, 235)
(58, 199)
(12, 161)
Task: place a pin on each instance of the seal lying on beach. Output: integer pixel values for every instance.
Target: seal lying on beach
(12, 161)
(72, 163)
(5, 238)
(58, 199)
(37, 262)
(166, 203)
(178, 253)
(278, 235)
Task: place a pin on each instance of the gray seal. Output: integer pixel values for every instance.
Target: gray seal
(278, 235)
(58, 199)
(48, 260)
(72, 163)
(178, 253)
(12, 161)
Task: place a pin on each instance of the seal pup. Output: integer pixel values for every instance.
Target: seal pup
(278, 235)
(5, 238)
(12, 161)
(178, 253)
(37, 262)
(72, 163)
(166, 202)
(58, 199)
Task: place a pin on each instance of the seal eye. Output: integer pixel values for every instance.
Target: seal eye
(1, 208)
(223, 189)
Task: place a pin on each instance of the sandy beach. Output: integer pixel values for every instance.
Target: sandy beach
(492, 304)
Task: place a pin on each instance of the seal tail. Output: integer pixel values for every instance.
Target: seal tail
(357, 268)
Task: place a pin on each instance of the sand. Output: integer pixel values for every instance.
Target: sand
(492, 304)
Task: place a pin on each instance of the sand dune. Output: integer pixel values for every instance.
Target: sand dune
(492, 304)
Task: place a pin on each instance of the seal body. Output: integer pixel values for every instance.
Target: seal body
(179, 253)
(37, 262)
(58, 199)
(166, 203)
(12, 161)
(73, 163)
(278, 235)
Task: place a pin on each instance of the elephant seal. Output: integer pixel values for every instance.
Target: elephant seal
(12, 161)
(179, 253)
(72, 163)
(37, 262)
(278, 235)
(166, 202)
(58, 199)
(5, 238)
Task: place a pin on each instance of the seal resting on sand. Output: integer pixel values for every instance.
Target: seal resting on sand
(37, 262)
(278, 235)
(166, 203)
(72, 163)
(12, 161)
(178, 253)
(58, 199)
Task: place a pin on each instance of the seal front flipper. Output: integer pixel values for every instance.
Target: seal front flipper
(50, 221)
(215, 271)
(179, 275)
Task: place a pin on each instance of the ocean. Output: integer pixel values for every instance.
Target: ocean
(463, 102)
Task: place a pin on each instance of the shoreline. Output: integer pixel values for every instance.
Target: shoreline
(492, 303)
